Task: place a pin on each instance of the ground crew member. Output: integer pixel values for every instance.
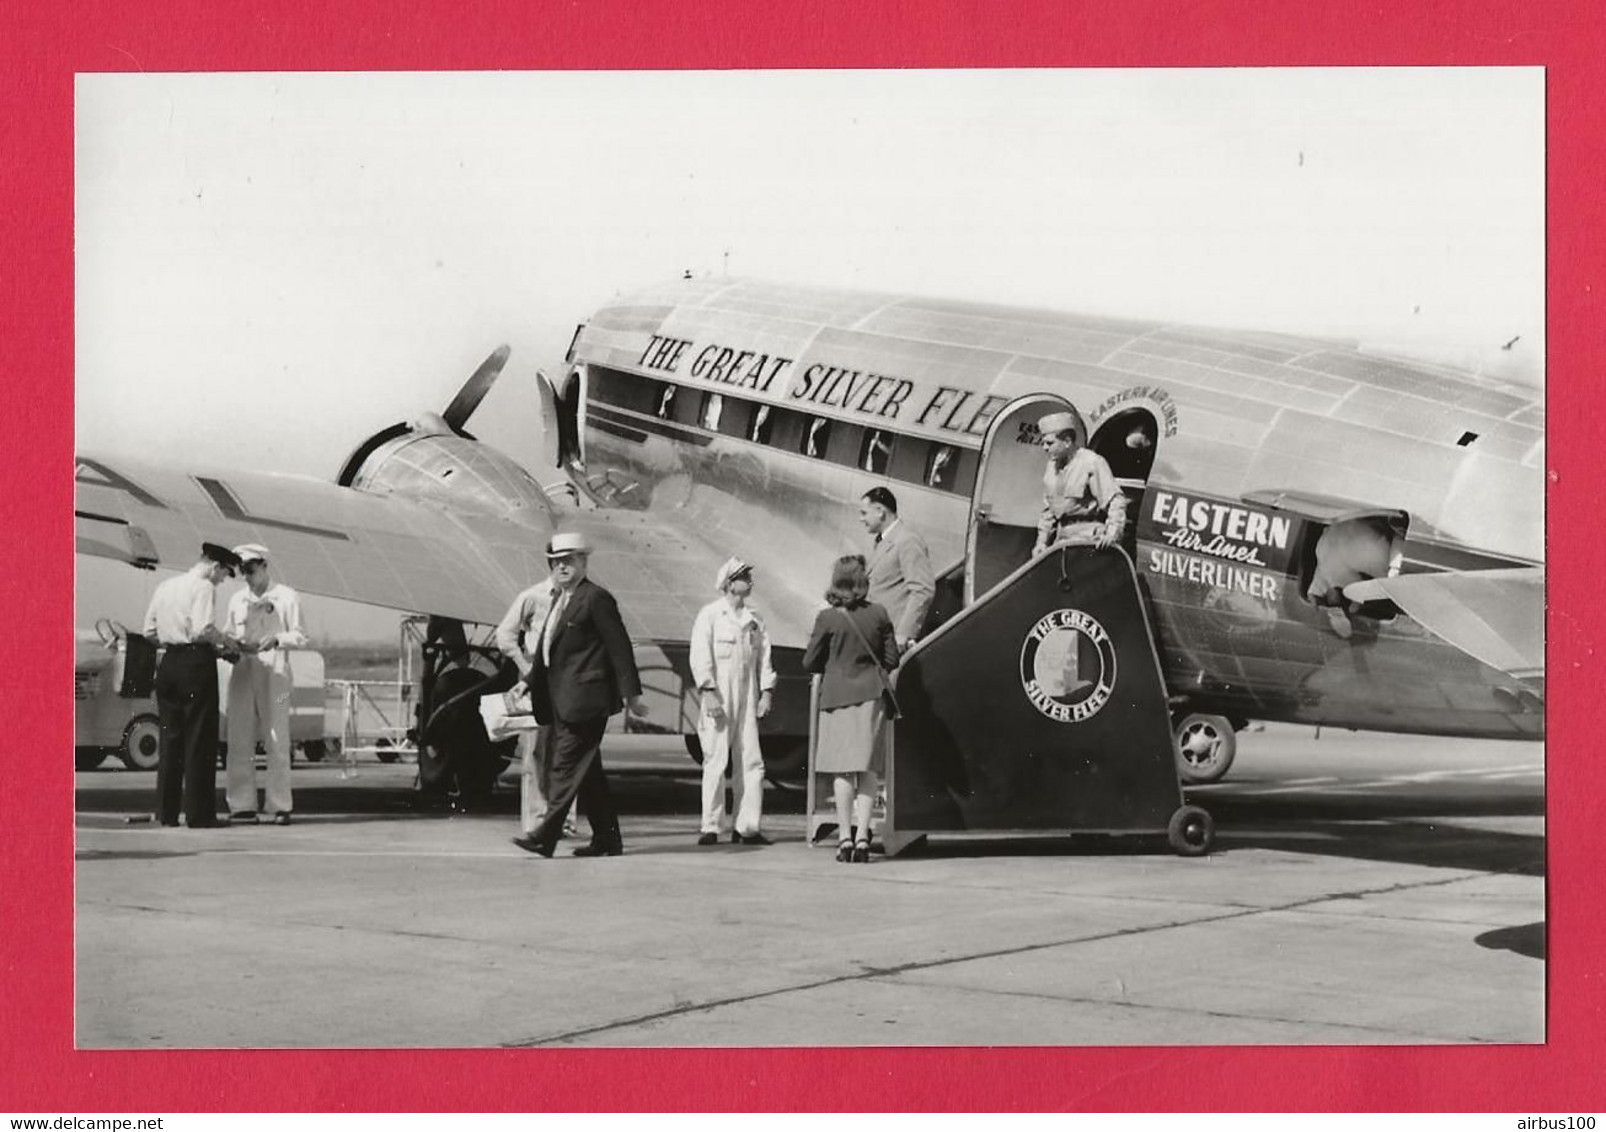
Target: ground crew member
(180, 618)
(730, 661)
(580, 674)
(1082, 503)
(517, 637)
(901, 579)
(263, 622)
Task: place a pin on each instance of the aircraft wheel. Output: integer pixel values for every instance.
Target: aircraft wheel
(87, 758)
(1191, 832)
(1206, 746)
(313, 750)
(142, 742)
(786, 760)
(386, 750)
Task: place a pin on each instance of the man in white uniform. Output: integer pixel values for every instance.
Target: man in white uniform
(730, 660)
(1082, 503)
(264, 623)
(517, 637)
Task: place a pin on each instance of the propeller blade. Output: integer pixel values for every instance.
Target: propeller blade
(475, 388)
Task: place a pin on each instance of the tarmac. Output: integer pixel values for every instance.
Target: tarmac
(1364, 889)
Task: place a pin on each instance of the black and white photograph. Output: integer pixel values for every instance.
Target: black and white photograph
(859, 558)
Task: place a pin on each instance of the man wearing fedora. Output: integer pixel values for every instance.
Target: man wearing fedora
(180, 619)
(582, 671)
(263, 623)
(1082, 503)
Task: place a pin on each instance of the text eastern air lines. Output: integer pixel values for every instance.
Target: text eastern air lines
(878, 395)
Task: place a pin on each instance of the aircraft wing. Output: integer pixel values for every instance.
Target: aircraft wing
(414, 555)
(1496, 616)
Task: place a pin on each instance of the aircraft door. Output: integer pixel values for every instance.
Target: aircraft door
(1008, 498)
(562, 406)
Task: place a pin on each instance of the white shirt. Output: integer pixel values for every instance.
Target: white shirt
(182, 608)
(269, 621)
(515, 633)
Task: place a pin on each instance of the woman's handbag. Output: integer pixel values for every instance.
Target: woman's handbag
(889, 698)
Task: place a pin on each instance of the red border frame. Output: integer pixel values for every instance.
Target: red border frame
(47, 44)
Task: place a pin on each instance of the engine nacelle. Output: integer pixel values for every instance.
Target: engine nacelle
(428, 464)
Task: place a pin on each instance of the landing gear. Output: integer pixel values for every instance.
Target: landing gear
(458, 764)
(786, 758)
(1191, 832)
(1206, 745)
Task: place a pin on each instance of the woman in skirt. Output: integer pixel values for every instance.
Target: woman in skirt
(851, 644)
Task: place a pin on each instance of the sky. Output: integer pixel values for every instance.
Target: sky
(270, 267)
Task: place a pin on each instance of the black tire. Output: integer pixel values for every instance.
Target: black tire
(385, 750)
(1206, 746)
(314, 750)
(141, 746)
(1191, 831)
(786, 760)
(87, 758)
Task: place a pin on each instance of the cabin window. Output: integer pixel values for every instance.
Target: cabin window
(737, 417)
(875, 452)
(713, 407)
(666, 403)
(942, 467)
(816, 435)
(763, 424)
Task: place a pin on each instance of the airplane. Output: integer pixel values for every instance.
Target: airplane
(711, 416)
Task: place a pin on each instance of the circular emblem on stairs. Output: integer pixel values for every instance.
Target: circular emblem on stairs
(1067, 666)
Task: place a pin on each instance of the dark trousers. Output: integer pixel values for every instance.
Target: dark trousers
(574, 769)
(187, 708)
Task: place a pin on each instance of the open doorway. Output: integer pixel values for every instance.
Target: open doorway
(1127, 441)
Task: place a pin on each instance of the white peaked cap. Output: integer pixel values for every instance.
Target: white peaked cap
(732, 568)
(249, 550)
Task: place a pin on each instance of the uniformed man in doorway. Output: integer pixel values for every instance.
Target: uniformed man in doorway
(181, 619)
(263, 623)
(1082, 503)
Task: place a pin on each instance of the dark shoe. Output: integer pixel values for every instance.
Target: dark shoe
(281, 819)
(844, 850)
(861, 852)
(531, 845)
(754, 839)
(243, 817)
(708, 839)
(736, 838)
(593, 849)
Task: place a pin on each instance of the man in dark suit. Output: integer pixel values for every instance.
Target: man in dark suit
(582, 670)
